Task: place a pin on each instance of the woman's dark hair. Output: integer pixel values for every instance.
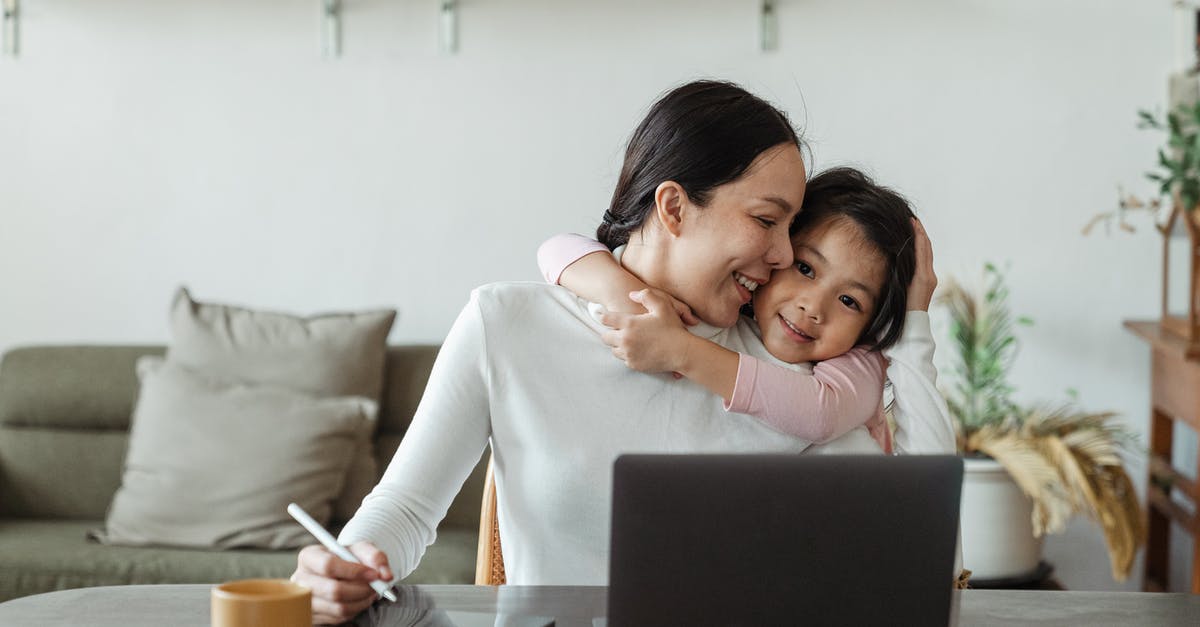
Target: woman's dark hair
(885, 221)
(701, 135)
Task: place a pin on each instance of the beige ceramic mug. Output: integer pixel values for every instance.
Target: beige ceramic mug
(261, 603)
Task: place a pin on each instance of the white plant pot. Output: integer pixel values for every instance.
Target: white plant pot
(997, 525)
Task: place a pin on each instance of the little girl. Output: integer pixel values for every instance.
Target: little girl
(841, 304)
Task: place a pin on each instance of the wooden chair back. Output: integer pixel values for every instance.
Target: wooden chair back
(489, 559)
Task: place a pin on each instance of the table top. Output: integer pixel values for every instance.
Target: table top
(1153, 332)
(188, 605)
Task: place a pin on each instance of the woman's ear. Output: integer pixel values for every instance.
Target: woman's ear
(670, 201)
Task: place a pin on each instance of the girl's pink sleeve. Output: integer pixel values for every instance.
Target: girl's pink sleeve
(841, 394)
(562, 250)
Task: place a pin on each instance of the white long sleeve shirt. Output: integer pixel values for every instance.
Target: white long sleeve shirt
(522, 365)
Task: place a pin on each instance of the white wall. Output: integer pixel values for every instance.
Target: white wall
(148, 143)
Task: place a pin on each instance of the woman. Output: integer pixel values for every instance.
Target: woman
(712, 178)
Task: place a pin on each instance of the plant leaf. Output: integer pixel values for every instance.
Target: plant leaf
(1036, 477)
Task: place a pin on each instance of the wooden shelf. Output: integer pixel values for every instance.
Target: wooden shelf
(1174, 399)
(1152, 332)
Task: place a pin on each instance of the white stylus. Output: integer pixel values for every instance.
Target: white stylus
(325, 538)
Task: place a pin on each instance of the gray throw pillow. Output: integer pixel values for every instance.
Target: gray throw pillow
(214, 463)
(339, 354)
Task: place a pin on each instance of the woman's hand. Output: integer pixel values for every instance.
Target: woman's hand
(924, 282)
(340, 589)
(655, 341)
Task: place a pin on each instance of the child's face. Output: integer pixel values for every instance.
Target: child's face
(818, 308)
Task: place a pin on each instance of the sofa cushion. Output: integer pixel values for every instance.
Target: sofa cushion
(43, 555)
(214, 463)
(406, 374)
(70, 387)
(339, 354)
(325, 355)
(59, 473)
(64, 420)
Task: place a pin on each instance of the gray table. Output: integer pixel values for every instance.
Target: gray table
(188, 605)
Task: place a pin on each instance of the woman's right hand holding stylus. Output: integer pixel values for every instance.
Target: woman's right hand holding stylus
(340, 589)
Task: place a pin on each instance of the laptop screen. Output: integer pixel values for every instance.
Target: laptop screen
(783, 539)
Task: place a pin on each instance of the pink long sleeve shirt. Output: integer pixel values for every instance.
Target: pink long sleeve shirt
(816, 402)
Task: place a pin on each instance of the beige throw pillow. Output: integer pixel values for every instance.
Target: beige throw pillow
(338, 354)
(214, 463)
(326, 355)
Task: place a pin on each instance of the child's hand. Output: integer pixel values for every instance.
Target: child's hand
(924, 282)
(681, 309)
(651, 342)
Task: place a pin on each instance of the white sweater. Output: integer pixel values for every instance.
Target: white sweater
(523, 366)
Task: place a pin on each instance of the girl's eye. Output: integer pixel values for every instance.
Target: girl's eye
(804, 268)
(767, 222)
(849, 302)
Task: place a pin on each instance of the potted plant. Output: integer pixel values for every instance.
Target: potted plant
(1028, 469)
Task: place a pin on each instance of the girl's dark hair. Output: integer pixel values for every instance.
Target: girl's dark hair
(701, 135)
(885, 220)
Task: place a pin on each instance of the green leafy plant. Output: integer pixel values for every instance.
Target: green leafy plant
(1179, 160)
(1176, 173)
(1066, 460)
(982, 330)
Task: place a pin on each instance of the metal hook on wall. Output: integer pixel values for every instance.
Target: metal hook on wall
(12, 13)
(449, 26)
(768, 28)
(331, 28)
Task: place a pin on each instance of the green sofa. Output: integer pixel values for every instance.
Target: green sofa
(64, 428)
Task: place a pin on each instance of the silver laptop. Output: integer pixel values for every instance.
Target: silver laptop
(783, 540)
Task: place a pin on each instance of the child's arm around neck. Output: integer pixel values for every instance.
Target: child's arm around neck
(587, 268)
(839, 395)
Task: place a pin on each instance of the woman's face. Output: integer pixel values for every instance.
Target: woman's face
(729, 247)
(818, 308)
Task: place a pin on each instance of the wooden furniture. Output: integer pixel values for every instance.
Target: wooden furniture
(1174, 398)
(1181, 228)
(489, 559)
(1181, 278)
(570, 606)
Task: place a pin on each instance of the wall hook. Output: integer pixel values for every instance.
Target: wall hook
(331, 28)
(768, 26)
(449, 26)
(12, 14)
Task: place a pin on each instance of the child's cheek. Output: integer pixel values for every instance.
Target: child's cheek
(756, 308)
